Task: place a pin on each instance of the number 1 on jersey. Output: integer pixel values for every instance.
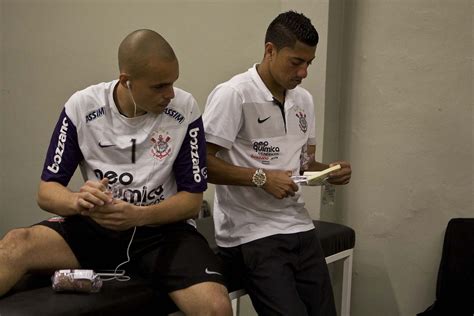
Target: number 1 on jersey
(134, 141)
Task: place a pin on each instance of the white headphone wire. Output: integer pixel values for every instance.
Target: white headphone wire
(117, 276)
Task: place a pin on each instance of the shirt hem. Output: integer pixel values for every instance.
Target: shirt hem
(260, 236)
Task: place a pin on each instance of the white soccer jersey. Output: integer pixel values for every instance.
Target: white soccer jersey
(242, 116)
(146, 158)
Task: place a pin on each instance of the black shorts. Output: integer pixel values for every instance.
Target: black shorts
(284, 274)
(173, 256)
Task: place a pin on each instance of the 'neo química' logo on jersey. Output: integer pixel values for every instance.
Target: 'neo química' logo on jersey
(58, 153)
(95, 114)
(264, 147)
(120, 189)
(265, 152)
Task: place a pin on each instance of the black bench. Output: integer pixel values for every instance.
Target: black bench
(33, 295)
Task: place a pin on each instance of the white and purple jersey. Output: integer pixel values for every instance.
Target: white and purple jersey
(146, 158)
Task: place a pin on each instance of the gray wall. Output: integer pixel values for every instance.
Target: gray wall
(406, 124)
(392, 83)
(51, 49)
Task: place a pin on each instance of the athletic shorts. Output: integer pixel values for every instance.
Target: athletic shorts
(174, 256)
(284, 274)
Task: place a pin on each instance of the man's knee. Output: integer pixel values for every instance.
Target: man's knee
(219, 305)
(204, 299)
(15, 243)
(18, 237)
(20, 234)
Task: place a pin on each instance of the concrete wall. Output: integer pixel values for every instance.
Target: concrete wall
(51, 49)
(406, 124)
(392, 82)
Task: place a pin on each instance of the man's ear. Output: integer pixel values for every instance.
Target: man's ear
(270, 50)
(123, 78)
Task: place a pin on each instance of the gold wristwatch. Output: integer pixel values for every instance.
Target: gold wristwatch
(259, 178)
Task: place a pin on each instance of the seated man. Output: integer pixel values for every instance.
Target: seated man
(139, 142)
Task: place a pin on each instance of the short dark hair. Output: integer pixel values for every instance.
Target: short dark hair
(289, 27)
(136, 49)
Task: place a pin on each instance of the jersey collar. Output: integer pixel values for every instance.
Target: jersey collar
(268, 96)
(260, 84)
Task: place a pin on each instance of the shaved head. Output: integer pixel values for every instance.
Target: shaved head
(137, 49)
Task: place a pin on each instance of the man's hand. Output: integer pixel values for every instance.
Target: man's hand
(341, 176)
(118, 215)
(92, 194)
(279, 184)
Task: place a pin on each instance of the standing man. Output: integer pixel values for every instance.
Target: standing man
(260, 130)
(140, 145)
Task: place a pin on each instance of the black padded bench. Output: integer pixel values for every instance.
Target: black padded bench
(33, 295)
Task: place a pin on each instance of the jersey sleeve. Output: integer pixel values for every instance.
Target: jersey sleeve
(190, 165)
(64, 154)
(223, 116)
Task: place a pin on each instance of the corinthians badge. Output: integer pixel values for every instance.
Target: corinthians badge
(161, 144)
(302, 121)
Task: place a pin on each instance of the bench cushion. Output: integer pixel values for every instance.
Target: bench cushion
(334, 237)
(134, 297)
(33, 295)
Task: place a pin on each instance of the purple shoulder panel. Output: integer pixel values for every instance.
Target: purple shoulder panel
(63, 154)
(190, 167)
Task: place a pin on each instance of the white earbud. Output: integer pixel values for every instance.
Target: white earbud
(133, 100)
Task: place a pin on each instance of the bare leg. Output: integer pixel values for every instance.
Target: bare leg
(31, 249)
(207, 298)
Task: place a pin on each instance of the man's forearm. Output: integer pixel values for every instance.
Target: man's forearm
(221, 172)
(55, 198)
(312, 164)
(181, 206)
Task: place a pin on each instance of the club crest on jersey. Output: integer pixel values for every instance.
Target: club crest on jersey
(161, 145)
(302, 121)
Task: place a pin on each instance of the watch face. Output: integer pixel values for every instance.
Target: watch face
(259, 178)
